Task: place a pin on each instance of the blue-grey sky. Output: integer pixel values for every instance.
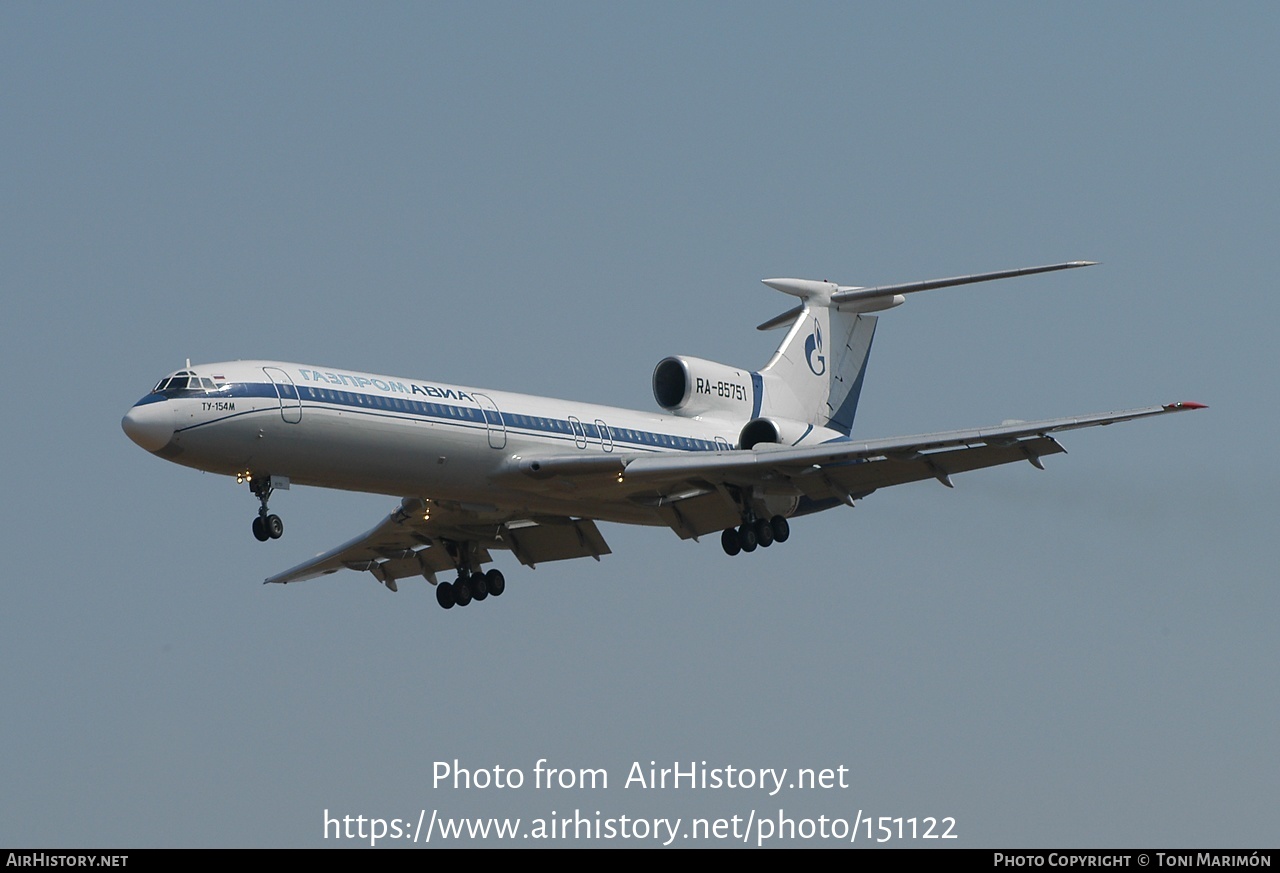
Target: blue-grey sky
(549, 198)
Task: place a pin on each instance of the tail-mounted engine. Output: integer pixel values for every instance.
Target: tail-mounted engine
(772, 430)
(690, 387)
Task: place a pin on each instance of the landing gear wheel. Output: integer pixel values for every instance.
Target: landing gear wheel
(479, 587)
(444, 594)
(764, 533)
(747, 538)
(495, 582)
(729, 542)
(461, 592)
(265, 527)
(781, 528)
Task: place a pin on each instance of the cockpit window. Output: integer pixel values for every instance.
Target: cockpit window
(180, 381)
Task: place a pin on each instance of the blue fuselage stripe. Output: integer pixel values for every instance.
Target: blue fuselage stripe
(419, 410)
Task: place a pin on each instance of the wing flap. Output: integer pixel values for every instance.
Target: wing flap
(361, 553)
(710, 510)
(859, 479)
(533, 543)
(425, 562)
(693, 516)
(422, 539)
(767, 462)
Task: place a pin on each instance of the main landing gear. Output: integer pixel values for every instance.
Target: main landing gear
(266, 526)
(471, 584)
(762, 532)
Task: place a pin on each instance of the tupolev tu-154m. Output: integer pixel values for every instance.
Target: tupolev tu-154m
(735, 452)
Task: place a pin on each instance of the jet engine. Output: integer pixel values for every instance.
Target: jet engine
(772, 430)
(690, 387)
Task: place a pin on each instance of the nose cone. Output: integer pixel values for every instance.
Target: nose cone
(150, 425)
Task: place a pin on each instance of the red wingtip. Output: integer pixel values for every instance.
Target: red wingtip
(1185, 404)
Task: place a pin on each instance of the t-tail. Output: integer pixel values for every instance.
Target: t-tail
(815, 376)
(809, 389)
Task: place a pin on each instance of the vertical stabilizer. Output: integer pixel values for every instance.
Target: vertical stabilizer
(816, 374)
(850, 369)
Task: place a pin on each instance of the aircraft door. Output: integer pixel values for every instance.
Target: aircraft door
(493, 421)
(606, 436)
(287, 393)
(579, 432)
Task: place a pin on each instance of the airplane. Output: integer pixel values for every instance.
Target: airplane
(734, 452)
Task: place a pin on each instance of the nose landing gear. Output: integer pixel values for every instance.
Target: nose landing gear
(266, 526)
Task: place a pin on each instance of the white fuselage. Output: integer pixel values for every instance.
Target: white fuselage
(402, 437)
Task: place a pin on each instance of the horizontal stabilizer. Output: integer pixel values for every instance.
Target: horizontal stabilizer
(882, 296)
(847, 295)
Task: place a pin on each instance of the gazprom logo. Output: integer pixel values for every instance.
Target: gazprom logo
(813, 351)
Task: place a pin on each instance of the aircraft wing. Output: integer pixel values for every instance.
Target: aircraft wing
(422, 538)
(694, 492)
